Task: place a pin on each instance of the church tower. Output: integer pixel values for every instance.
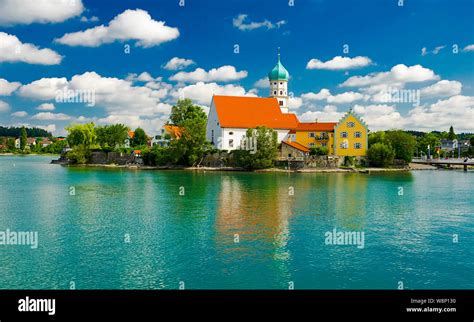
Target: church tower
(278, 78)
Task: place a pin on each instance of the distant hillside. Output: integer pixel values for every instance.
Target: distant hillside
(31, 132)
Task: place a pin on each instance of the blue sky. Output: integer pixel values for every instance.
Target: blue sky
(425, 47)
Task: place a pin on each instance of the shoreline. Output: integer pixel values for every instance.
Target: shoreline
(410, 167)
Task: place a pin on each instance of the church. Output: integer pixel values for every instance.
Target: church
(230, 117)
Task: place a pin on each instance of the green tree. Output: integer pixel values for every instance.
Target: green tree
(404, 144)
(81, 134)
(112, 136)
(191, 146)
(185, 110)
(380, 155)
(318, 151)
(451, 135)
(377, 137)
(140, 138)
(11, 143)
(23, 138)
(265, 141)
(428, 139)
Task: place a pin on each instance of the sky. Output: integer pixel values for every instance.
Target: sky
(405, 64)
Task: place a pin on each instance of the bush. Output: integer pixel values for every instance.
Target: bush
(79, 155)
(157, 156)
(380, 155)
(319, 151)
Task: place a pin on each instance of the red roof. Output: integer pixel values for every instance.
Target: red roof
(250, 112)
(296, 145)
(316, 126)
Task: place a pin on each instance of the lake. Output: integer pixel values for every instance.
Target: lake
(130, 229)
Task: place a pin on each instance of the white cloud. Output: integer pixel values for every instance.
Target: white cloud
(44, 88)
(339, 62)
(457, 111)
(347, 97)
(13, 50)
(129, 25)
(225, 73)
(343, 98)
(202, 92)
(41, 11)
(262, 83)
(239, 22)
(397, 76)
(177, 63)
(469, 48)
(295, 102)
(48, 116)
(328, 114)
(322, 95)
(442, 88)
(7, 88)
(46, 107)
(380, 116)
(20, 114)
(4, 107)
(91, 19)
(435, 51)
(143, 77)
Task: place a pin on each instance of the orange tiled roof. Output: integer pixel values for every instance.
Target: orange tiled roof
(173, 130)
(250, 112)
(297, 146)
(316, 126)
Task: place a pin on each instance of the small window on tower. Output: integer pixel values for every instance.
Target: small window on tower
(281, 103)
(281, 92)
(274, 92)
(281, 83)
(274, 83)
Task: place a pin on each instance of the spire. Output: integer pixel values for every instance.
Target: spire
(278, 72)
(278, 54)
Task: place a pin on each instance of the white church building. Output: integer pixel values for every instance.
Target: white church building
(231, 116)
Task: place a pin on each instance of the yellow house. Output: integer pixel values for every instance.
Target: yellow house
(315, 135)
(350, 136)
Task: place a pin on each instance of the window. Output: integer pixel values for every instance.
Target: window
(274, 83)
(343, 134)
(281, 83)
(281, 103)
(311, 134)
(274, 92)
(231, 143)
(357, 134)
(357, 145)
(324, 145)
(344, 145)
(350, 124)
(311, 144)
(281, 92)
(231, 133)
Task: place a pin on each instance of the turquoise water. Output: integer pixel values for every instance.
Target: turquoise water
(191, 238)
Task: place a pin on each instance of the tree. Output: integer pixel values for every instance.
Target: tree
(430, 139)
(318, 151)
(112, 135)
(402, 143)
(23, 138)
(380, 155)
(11, 143)
(81, 134)
(190, 148)
(451, 135)
(266, 149)
(377, 137)
(140, 138)
(185, 110)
